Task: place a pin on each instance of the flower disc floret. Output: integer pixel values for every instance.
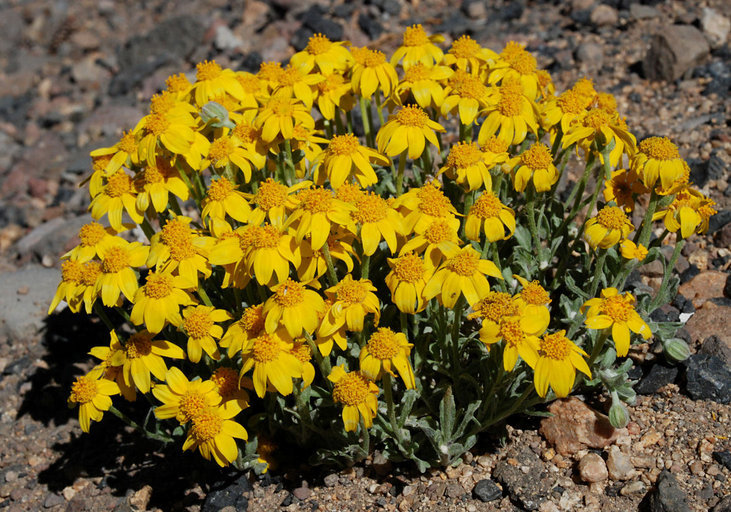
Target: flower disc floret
(91, 234)
(555, 346)
(383, 344)
(659, 148)
(208, 70)
(198, 324)
(290, 294)
(611, 217)
(115, 259)
(266, 348)
(158, 286)
(464, 263)
(409, 268)
(119, 184)
(537, 157)
(370, 208)
(84, 390)
(411, 115)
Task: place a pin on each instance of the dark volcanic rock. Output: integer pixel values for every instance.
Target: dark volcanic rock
(667, 495)
(487, 490)
(708, 378)
(529, 489)
(228, 495)
(658, 376)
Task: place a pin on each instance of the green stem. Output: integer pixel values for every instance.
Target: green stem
(458, 310)
(598, 345)
(660, 297)
(366, 437)
(365, 115)
(598, 271)
(330, 266)
(531, 213)
(147, 228)
(388, 395)
(204, 296)
(289, 163)
(322, 362)
(99, 310)
(129, 421)
(643, 236)
(365, 266)
(400, 175)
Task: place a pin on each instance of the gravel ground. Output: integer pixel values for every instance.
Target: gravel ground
(74, 74)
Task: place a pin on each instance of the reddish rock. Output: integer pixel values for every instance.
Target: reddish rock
(709, 320)
(704, 286)
(592, 468)
(575, 426)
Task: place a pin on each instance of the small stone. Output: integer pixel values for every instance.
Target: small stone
(673, 51)
(487, 490)
(408, 490)
(141, 498)
(619, 464)
(703, 287)
(638, 11)
(724, 505)
(715, 27)
(710, 320)
(723, 458)
(667, 495)
(715, 346)
(592, 468)
(228, 494)
(696, 467)
(635, 488)
(708, 378)
(604, 15)
(331, 480)
(53, 500)
(225, 39)
(659, 375)
(454, 490)
(575, 426)
(11, 476)
(475, 10)
(302, 493)
(591, 55)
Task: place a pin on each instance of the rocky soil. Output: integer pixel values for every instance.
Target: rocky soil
(74, 74)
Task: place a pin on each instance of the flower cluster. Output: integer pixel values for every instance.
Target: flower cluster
(288, 268)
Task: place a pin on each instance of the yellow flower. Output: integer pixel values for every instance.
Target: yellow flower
(326, 55)
(316, 212)
(88, 289)
(111, 366)
(158, 301)
(297, 83)
(468, 55)
(143, 355)
(631, 251)
(227, 385)
(358, 394)
(293, 306)
(688, 213)
(273, 201)
(558, 360)
(249, 326)
(491, 217)
(212, 81)
(226, 152)
(516, 64)
(463, 273)
(607, 228)
(511, 113)
(176, 247)
(212, 432)
(339, 336)
(601, 127)
(313, 264)
(493, 307)
(377, 220)
(466, 164)
(334, 91)
(617, 311)
(545, 84)
(199, 323)
(371, 71)
(183, 399)
(422, 206)
(563, 111)
(584, 87)
(351, 301)
(407, 280)
(434, 240)
(173, 128)
(517, 342)
(344, 159)
(384, 351)
(535, 164)
(495, 152)
(533, 301)
(279, 115)
(407, 130)
(270, 354)
(93, 396)
(93, 240)
(71, 271)
(423, 84)
(418, 47)
(179, 85)
(117, 195)
(224, 199)
(123, 153)
(467, 94)
(622, 188)
(156, 182)
(658, 158)
(118, 275)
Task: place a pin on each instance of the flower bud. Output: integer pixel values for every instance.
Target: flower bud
(618, 414)
(215, 114)
(676, 349)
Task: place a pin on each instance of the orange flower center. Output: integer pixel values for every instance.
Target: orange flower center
(138, 345)
(494, 306)
(221, 148)
(156, 124)
(270, 194)
(585, 89)
(465, 47)
(177, 83)
(534, 293)
(301, 351)
(439, 231)
(208, 70)
(611, 217)
(191, 405)
(226, 380)
(162, 103)
(71, 271)
(316, 200)
(433, 202)
(383, 344)
(318, 44)
(128, 142)
(352, 292)
(510, 104)
(409, 268)
(198, 324)
(290, 77)
(246, 133)
(411, 115)
(206, 426)
(511, 332)
(176, 234)
(264, 237)
(487, 206)
(370, 208)
(537, 157)
(617, 307)
(269, 71)
(118, 184)
(464, 154)
(570, 102)
(416, 73)
(495, 145)
(266, 348)
(343, 145)
(659, 148)
(91, 273)
(465, 263)
(415, 36)
(555, 346)
(290, 294)
(282, 107)
(352, 389)
(252, 321)
(158, 286)
(83, 390)
(349, 193)
(115, 259)
(596, 119)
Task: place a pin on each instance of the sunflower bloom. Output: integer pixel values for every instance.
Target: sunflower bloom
(510, 115)
(273, 201)
(270, 355)
(249, 326)
(384, 351)
(492, 308)
(117, 274)
(418, 47)
(688, 213)
(558, 360)
(467, 94)
(608, 227)
(351, 300)
(423, 84)
(123, 154)
(183, 399)
(377, 220)
(562, 111)
(212, 81)
(516, 341)
(223, 199)
(176, 247)
(463, 273)
(301, 351)
(144, 356)
(358, 394)
(658, 158)
(490, 216)
(67, 290)
(293, 306)
(407, 280)
(466, 164)
(213, 432)
(325, 55)
(515, 63)
(317, 210)
(199, 323)
(334, 91)
(617, 311)
(632, 251)
(408, 130)
(622, 188)
(227, 384)
(422, 206)
(158, 301)
(111, 366)
(155, 184)
(535, 164)
(118, 195)
(94, 239)
(533, 301)
(279, 115)
(228, 152)
(345, 158)
(297, 83)
(466, 54)
(601, 127)
(434, 241)
(92, 394)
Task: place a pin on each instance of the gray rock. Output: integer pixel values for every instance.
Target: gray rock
(302, 493)
(592, 468)
(673, 51)
(9, 150)
(528, 488)
(53, 500)
(591, 55)
(225, 39)
(715, 27)
(724, 505)
(604, 15)
(619, 464)
(229, 494)
(667, 495)
(639, 11)
(708, 378)
(331, 480)
(723, 458)
(22, 314)
(487, 490)
(635, 488)
(715, 346)
(50, 238)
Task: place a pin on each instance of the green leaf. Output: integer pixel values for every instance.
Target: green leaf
(446, 414)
